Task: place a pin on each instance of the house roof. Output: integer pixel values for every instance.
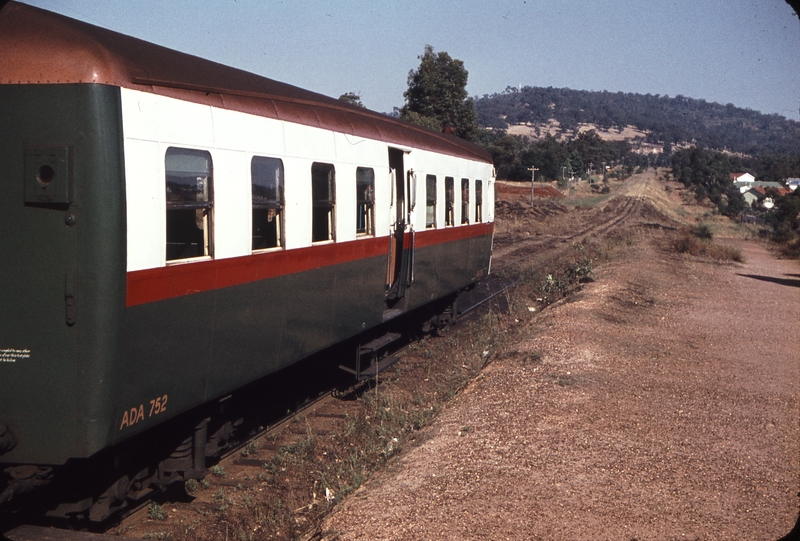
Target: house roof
(768, 184)
(761, 191)
(736, 176)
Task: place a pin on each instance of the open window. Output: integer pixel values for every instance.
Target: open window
(266, 177)
(365, 201)
(449, 201)
(430, 201)
(190, 203)
(464, 200)
(323, 196)
(478, 201)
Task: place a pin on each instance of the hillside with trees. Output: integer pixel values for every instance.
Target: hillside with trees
(674, 120)
(567, 134)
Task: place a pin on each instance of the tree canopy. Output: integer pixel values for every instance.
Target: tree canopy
(437, 95)
(352, 98)
(706, 172)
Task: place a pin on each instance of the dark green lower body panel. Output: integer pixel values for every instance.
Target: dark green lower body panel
(199, 347)
(62, 275)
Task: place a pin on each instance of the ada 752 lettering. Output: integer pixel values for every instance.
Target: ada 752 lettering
(137, 413)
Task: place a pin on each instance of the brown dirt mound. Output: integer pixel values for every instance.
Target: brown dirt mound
(540, 210)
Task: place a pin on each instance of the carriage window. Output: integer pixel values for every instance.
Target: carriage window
(478, 201)
(430, 201)
(190, 202)
(323, 183)
(365, 201)
(464, 200)
(266, 177)
(449, 196)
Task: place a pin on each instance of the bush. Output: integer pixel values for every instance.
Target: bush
(156, 512)
(791, 247)
(703, 231)
(688, 242)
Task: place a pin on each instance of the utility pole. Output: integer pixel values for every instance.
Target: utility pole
(533, 177)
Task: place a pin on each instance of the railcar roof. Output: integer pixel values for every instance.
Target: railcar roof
(42, 47)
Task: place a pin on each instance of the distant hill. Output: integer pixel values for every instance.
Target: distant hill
(658, 119)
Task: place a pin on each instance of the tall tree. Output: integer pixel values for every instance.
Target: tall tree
(437, 92)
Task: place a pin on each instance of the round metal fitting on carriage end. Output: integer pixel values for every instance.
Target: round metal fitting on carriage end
(69, 219)
(8, 440)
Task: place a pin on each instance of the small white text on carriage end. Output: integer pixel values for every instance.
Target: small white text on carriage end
(10, 355)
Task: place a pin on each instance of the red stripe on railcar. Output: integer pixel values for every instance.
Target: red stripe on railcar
(429, 237)
(150, 285)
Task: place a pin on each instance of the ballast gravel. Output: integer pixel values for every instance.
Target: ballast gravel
(660, 402)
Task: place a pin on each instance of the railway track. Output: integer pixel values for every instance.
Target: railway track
(628, 207)
(321, 414)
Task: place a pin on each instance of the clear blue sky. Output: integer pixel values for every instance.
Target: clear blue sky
(745, 52)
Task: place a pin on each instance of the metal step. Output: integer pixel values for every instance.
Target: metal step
(372, 370)
(376, 368)
(378, 343)
(391, 314)
(370, 350)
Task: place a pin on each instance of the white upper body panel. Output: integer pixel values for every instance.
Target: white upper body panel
(153, 123)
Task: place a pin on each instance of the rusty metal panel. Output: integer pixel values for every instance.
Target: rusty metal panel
(296, 112)
(253, 106)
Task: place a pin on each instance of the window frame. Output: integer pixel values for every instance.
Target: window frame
(323, 206)
(176, 207)
(275, 206)
(464, 201)
(367, 203)
(449, 201)
(478, 201)
(430, 202)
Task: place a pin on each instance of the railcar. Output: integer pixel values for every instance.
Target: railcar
(172, 229)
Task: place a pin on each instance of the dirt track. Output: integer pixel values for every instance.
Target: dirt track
(660, 402)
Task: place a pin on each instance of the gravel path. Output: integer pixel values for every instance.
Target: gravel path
(661, 402)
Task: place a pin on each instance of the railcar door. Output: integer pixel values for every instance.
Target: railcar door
(399, 270)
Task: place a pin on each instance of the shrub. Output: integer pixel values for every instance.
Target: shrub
(703, 231)
(156, 512)
(688, 242)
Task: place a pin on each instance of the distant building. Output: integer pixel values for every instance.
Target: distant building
(744, 185)
(745, 178)
(792, 183)
(768, 184)
(753, 196)
(763, 195)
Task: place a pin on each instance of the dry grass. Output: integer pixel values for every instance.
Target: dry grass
(687, 242)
